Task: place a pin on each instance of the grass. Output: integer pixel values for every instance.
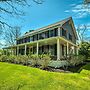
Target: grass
(17, 77)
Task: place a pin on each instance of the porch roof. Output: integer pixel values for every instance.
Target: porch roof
(46, 41)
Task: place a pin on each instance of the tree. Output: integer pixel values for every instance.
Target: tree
(86, 4)
(11, 35)
(81, 31)
(13, 7)
(85, 49)
(86, 1)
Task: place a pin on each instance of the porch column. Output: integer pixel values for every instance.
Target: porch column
(6, 51)
(58, 49)
(58, 31)
(17, 50)
(67, 48)
(25, 49)
(37, 47)
(73, 49)
(11, 51)
(64, 50)
(77, 50)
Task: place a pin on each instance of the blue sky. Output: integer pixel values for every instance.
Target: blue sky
(50, 12)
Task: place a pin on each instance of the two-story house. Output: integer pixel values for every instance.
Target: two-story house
(59, 39)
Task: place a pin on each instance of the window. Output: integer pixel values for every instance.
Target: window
(18, 41)
(40, 50)
(56, 32)
(51, 49)
(21, 41)
(42, 35)
(34, 50)
(51, 33)
(35, 37)
(70, 37)
(64, 33)
(47, 34)
(31, 38)
(28, 39)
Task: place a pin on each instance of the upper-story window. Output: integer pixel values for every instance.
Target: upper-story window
(51, 33)
(47, 34)
(35, 37)
(42, 35)
(70, 37)
(31, 38)
(21, 41)
(28, 39)
(18, 42)
(64, 33)
(25, 40)
(56, 32)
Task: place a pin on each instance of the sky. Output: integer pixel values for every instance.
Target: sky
(49, 12)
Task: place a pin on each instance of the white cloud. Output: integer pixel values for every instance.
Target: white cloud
(79, 10)
(66, 11)
(72, 4)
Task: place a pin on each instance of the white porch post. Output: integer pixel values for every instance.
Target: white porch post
(58, 49)
(64, 50)
(37, 47)
(67, 48)
(77, 50)
(17, 50)
(7, 52)
(11, 51)
(58, 31)
(25, 49)
(73, 50)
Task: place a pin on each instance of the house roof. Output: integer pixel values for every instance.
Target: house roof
(59, 23)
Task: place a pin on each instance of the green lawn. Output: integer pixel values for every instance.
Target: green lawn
(17, 77)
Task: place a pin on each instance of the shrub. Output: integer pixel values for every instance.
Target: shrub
(58, 64)
(85, 49)
(85, 67)
(12, 58)
(34, 60)
(45, 60)
(22, 59)
(75, 59)
(25, 60)
(3, 58)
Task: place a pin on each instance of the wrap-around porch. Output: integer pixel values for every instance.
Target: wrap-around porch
(58, 47)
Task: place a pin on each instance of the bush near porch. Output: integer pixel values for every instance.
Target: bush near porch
(33, 60)
(42, 61)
